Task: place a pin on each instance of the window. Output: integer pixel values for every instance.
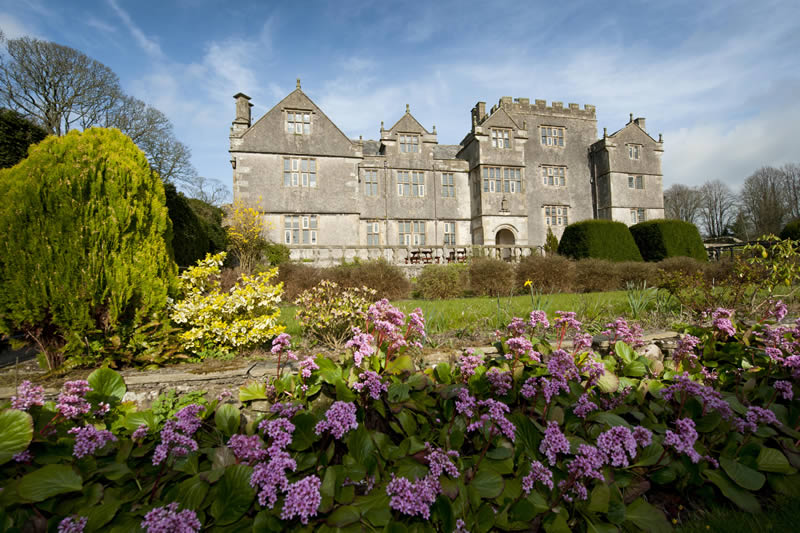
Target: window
(299, 172)
(448, 185)
(556, 215)
(638, 215)
(500, 138)
(502, 179)
(640, 182)
(300, 229)
(552, 136)
(371, 183)
(555, 176)
(373, 233)
(409, 143)
(450, 233)
(298, 122)
(412, 232)
(636, 182)
(410, 183)
(633, 151)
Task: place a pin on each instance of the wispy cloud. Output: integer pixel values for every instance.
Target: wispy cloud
(101, 25)
(14, 28)
(150, 46)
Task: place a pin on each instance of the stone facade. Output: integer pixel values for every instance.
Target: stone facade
(522, 168)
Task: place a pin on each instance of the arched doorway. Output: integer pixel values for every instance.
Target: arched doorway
(504, 237)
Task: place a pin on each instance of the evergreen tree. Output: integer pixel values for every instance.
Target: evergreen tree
(550, 243)
(16, 135)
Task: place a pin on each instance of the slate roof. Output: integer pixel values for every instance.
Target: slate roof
(372, 147)
(446, 151)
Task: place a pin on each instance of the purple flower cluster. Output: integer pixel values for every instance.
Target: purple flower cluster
(23, 457)
(566, 320)
(685, 350)
(584, 406)
(582, 342)
(711, 398)
(754, 417)
(553, 387)
(302, 499)
(777, 310)
(495, 416)
(140, 432)
(554, 442)
(593, 370)
(469, 362)
(520, 347)
(27, 396)
(440, 461)
(643, 436)
(279, 431)
(562, 366)
(89, 439)
(416, 326)
(683, 441)
(539, 473)
(413, 498)
(307, 365)
(617, 444)
(517, 327)
(721, 321)
(499, 380)
(361, 344)
(465, 403)
(586, 465)
(608, 404)
(71, 401)
(528, 389)
(620, 330)
(72, 524)
(388, 321)
(372, 382)
(247, 449)
(176, 435)
(785, 388)
(340, 418)
(538, 318)
(168, 520)
(269, 477)
(286, 410)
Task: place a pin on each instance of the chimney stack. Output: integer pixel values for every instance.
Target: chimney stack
(242, 120)
(640, 122)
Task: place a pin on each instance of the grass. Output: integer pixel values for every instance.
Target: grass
(782, 515)
(466, 316)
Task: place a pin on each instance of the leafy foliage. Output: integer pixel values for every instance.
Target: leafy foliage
(442, 281)
(246, 241)
(196, 231)
(86, 258)
(659, 239)
(550, 242)
(599, 239)
(244, 317)
(16, 135)
(490, 277)
(791, 231)
(328, 312)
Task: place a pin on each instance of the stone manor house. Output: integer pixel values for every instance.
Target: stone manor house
(522, 167)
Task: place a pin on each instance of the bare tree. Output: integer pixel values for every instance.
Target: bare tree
(791, 187)
(55, 85)
(763, 200)
(209, 190)
(718, 208)
(682, 203)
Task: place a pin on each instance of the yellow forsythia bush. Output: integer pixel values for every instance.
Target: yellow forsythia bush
(242, 318)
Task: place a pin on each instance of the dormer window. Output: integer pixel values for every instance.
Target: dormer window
(634, 151)
(409, 143)
(298, 122)
(501, 138)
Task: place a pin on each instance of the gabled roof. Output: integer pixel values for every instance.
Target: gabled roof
(500, 119)
(408, 124)
(637, 131)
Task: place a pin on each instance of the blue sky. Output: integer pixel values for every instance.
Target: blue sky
(719, 79)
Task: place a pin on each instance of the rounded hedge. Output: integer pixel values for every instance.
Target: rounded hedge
(84, 251)
(599, 239)
(659, 239)
(791, 230)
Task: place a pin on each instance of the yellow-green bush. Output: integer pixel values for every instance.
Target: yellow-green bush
(328, 311)
(242, 318)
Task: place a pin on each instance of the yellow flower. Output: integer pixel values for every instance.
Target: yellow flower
(528, 283)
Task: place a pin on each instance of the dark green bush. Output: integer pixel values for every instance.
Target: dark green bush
(596, 275)
(442, 281)
(660, 239)
(599, 239)
(548, 274)
(16, 135)
(84, 256)
(190, 241)
(491, 277)
(791, 230)
(211, 216)
(276, 253)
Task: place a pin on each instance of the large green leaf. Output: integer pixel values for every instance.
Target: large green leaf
(133, 420)
(107, 383)
(343, 516)
(192, 492)
(234, 495)
(624, 352)
(608, 418)
(772, 460)
(407, 420)
(227, 419)
(647, 517)
(598, 502)
(742, 498)
(253, 391)
(49, 481)
(398, 392)
(102, 514)
(304, 435)
(635, 369)
(608, 382)
(744, 476)
(401, 364)
(488, 483)
(16, 432)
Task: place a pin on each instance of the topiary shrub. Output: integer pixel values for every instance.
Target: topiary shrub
(791, 230)
(439, 282)
(660, 239)
(599, 239)
(491, 277)
(84, 250)
(596, 275)
(548, 274)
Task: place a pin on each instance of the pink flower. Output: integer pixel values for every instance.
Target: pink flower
(340, 418)
(89, 439)
(554, 442)
(169, 520)
(413, 498)
(372, 382)
(539, 473)
(72, 524)
(27, 396)
(71, 401)
(302, 499)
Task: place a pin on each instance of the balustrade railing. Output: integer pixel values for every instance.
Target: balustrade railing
(409, 255)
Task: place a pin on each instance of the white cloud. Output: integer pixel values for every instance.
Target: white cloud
(101, 25)
(13, 28)
(150, 46)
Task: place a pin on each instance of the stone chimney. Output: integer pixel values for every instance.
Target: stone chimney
(242, 120)
(640, 122)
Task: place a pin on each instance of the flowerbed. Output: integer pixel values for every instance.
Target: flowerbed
(534, 438)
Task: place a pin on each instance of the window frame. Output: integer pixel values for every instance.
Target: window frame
(449, 237)
(634, 151)
(304, 124)
(300, 229)
(638, 214)
(501, 138)
(505, 180)
(294, 175)
(546, 133)
(373, 233)
(370, 182)
(448, 181)
(552, 179)
(415, 232)
(555, 215)
(409, 143)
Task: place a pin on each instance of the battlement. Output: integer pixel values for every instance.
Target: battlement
(540, 107)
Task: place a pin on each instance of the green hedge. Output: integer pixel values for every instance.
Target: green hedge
(599, 239)
(660, 239)
(196, 227)
(791, 230)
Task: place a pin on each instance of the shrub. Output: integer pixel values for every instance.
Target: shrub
(16, 135)
(328, 312)
(491, 277)
(387, 280)
(190, 241)
(246, 241)
(276, 254)
(791, 230)
(637, 272)
(297, 278)
(680, 264)
(548, 274)
(211, 217)
(439, 282)
(596, 275)
(599, 239)
(244, 317)
(550, 243)
(84, 252)
(660, 239)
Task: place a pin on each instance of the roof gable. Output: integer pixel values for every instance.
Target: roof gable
(632, 132)
(500, 119)
(408, 124)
